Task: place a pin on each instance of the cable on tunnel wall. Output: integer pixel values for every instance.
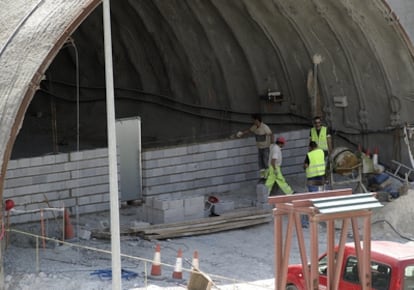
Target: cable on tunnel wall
(191, 107)
(355, 131)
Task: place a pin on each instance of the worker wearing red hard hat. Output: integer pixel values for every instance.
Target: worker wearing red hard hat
(274, 173)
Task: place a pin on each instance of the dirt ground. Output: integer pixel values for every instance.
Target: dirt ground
(235, 259)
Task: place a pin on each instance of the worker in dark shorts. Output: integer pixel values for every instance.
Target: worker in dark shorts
(264, 137)
(314, 166)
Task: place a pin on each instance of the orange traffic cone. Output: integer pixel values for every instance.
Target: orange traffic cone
(156, 262)
(178, 269)
(195, 264)
(69, 233)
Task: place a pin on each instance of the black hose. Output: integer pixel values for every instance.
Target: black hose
(394, 229)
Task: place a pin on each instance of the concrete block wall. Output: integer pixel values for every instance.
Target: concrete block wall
(80, 179)
(63, 180)
(215, 167)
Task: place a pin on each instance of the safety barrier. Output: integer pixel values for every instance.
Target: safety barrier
(147, 262)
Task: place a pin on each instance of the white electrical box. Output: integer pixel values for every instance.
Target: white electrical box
(341, 101)
(128, 137)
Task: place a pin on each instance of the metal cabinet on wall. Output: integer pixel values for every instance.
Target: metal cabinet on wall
(128, 135)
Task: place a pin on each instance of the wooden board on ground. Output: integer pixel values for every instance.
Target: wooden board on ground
(234, 220)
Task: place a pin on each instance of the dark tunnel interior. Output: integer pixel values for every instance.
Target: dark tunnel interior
(196, 70)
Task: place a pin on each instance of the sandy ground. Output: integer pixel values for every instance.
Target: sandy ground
(236, 259)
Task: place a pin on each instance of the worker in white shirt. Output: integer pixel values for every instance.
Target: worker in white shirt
(274, 173)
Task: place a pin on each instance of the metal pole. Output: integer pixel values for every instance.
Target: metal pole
(315, 87)
(113, 175)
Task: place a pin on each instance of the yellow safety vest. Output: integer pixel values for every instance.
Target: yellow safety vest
(316, 163)
(322, 139)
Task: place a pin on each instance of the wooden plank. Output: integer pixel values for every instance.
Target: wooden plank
(206, 231)
(203, 226)
(226, 221)
(211, 223)
(233, 214)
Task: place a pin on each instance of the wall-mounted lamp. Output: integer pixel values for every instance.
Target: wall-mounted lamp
(340, 101)
(273, 96)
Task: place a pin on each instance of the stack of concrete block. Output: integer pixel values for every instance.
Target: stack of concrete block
(158, 211)
(224, 206)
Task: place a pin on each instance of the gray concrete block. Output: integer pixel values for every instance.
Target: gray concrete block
(262, 197)
(12, 164)
(193, 149)
(175, 204)
(52, 159)
(261, 188)
(90, 172)
(159, 204)
(223, 206)
(92, 189)
(193, 206)
(262, 205)
(91, 208)
(157, 216)
(144, 213)
(23, 163)
(176, 151)
(89, 154)
(262, 193)
(148, 201)
(136, 225)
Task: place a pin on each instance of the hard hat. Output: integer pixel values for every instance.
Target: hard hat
(9, 204)
(281, 140)
(213, 199)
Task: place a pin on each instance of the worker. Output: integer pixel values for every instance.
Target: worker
(321, 135)
(264, 137)
(274, 173)
(314, 165)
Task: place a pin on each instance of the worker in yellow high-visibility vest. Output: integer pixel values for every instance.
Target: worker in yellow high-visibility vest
(321, 135)
(314, 165)
(274, 173)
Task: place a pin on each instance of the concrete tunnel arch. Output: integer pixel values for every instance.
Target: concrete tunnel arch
(368, 58)
(354, 33)
(220, 55)
(26, 53)
(208, 63)
(224, 53)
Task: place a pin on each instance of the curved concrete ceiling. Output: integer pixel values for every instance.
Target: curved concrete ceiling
(192, 68)
(32, 33)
